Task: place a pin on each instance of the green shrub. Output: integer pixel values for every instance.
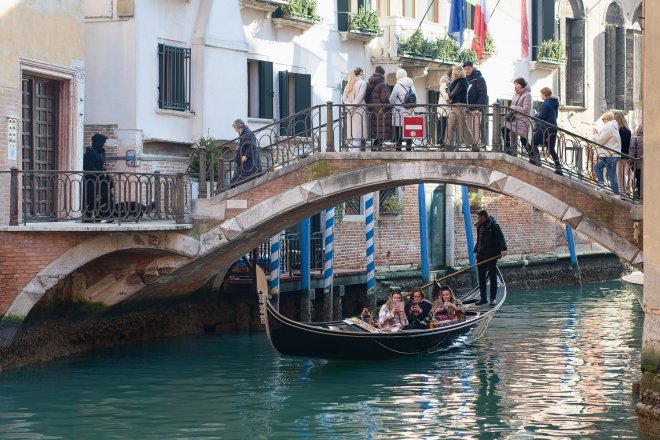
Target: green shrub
(551, 50)
(392, 205)
(446, 49)
(489, 46)
(301, 9)
(365, 21)
(467, 55)
(193, 165)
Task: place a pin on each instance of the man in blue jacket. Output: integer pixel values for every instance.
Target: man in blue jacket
(490, 243)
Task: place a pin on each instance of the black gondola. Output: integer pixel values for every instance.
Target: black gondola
(347, 340)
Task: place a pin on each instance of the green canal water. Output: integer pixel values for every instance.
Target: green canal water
(555, 363)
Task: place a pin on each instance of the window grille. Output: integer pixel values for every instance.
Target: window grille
(389, 201)
(173, 77)
(353, 206)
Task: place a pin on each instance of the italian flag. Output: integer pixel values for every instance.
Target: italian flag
(480, 27)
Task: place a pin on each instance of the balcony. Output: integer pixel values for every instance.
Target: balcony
(267, 6)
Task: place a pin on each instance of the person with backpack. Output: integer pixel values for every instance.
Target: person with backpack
(477, 93)
(378, 108)
(404, 98)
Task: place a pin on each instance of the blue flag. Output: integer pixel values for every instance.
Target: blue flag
(457, 20)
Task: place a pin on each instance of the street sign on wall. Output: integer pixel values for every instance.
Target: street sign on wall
(414, 127)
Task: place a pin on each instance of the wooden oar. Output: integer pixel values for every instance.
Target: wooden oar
(460, 271)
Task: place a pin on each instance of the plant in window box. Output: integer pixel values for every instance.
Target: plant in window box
(366, 22)
(339, 213)
(303, 10)
(551, 51)
(446, 49)
(416, 46)
(392, 205)
(476, 201)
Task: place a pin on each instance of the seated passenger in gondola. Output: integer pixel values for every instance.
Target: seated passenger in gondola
(392, 316)
(447, 307)
(417, 311)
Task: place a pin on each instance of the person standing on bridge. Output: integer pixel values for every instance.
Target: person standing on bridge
(247, 161)
(380, 114)
(403, 86)
(356, 118)
(477, 94)
(490, 243)
(456, 129)
(97, 187)
(608, 150)
(517, 119)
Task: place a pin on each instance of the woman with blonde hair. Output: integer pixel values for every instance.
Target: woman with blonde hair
(622, 173)
(356, 119)
(457, 95)
(609, 145)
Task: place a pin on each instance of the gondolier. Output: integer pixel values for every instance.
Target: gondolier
(490, 243)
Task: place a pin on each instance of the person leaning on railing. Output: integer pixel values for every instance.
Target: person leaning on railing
(248, 163)
(637, 151)
(546, 134)
(609, 137)
(456, 129)
(356, 118)
(97, 190)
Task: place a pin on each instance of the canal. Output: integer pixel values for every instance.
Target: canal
(555, 363)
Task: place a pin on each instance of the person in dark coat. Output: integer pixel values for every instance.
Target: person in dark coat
(490, 243)
(622, 167)
(417, 310)
(546, 134)
(247, 161)
(97, 190)
(637, 151)
(477, 93)
(380, 111)
(456, 129)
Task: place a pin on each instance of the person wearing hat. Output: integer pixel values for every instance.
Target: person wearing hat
(97, 187)
(401, 88)
(380, 114)
(477, 94)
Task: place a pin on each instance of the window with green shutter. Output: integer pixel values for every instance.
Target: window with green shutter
(295, 97)
(542, 24)
(260, 89)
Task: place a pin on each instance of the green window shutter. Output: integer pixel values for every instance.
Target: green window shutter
(575, 64)
(548, 32)
(266, 92)
(610, 59)
(620, 68)
(284, 100)
(542, 24)
(303, 100)
(343, 13)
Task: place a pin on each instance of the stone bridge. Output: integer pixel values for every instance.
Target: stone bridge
(227, 226)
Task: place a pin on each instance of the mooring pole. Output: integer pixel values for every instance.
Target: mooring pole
(423, 233)
(574, 262)
(369, 237)
(274, 285)
(328, 270)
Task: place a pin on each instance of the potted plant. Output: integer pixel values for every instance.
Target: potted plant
(489, 45)
(467, 55)
(446, 49)
(366, 22)
(551, 51)
(392, 205)
(302, 11)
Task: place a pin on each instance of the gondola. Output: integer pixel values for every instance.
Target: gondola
(350, 339)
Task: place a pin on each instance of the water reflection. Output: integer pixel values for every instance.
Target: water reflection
(554, 364)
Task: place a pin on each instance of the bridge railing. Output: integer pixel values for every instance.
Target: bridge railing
(444, 128)
(45, 196)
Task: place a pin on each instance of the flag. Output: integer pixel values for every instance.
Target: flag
(524, 31)
(457, 20)
(480, 29)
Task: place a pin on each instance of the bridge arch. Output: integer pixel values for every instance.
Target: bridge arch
(82, 254)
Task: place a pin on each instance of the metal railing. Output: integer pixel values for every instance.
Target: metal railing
(97, 196)
(291, 253)
(445, 128)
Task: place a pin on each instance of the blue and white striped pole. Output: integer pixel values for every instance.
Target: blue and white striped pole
(274, 286)
(369, 221)
(423, 234)
(328, 238)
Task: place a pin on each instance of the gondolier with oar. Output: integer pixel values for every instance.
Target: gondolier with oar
(490, 243)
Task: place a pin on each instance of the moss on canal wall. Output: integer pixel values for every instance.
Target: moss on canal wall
(63, 329)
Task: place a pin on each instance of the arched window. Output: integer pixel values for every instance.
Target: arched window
(572, 11)
(636, 75)
(615, 58)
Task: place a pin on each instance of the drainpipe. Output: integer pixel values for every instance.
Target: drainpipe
(423, 234)
(574, 262)
(369, 238)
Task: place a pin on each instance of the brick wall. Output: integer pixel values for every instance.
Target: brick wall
(19, 262)
(9, 106)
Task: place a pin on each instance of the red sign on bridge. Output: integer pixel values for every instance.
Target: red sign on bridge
(414, 127)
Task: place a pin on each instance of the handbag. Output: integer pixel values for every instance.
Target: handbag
(510, 116)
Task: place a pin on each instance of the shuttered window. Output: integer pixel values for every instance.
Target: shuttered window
(260, 89)
(295, 98)
(575, 63)
(173, 77)
(343, 15)
(543, 24)
(615, 62)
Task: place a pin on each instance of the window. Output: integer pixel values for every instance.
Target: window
(383, 7)
(408, 8)
(345, 8)
(260, 89)
(543, 24)
(433, 14)
(469, 16)
(295, 97)
(615, 58)
(634, 43)
(173, 77)
(390, 201)
(575, 62)
(354, 206)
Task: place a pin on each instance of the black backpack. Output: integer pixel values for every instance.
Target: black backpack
(410, 97)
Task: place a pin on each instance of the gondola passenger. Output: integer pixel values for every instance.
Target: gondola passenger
(392, 316)
(447, 306)
(417, 311)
